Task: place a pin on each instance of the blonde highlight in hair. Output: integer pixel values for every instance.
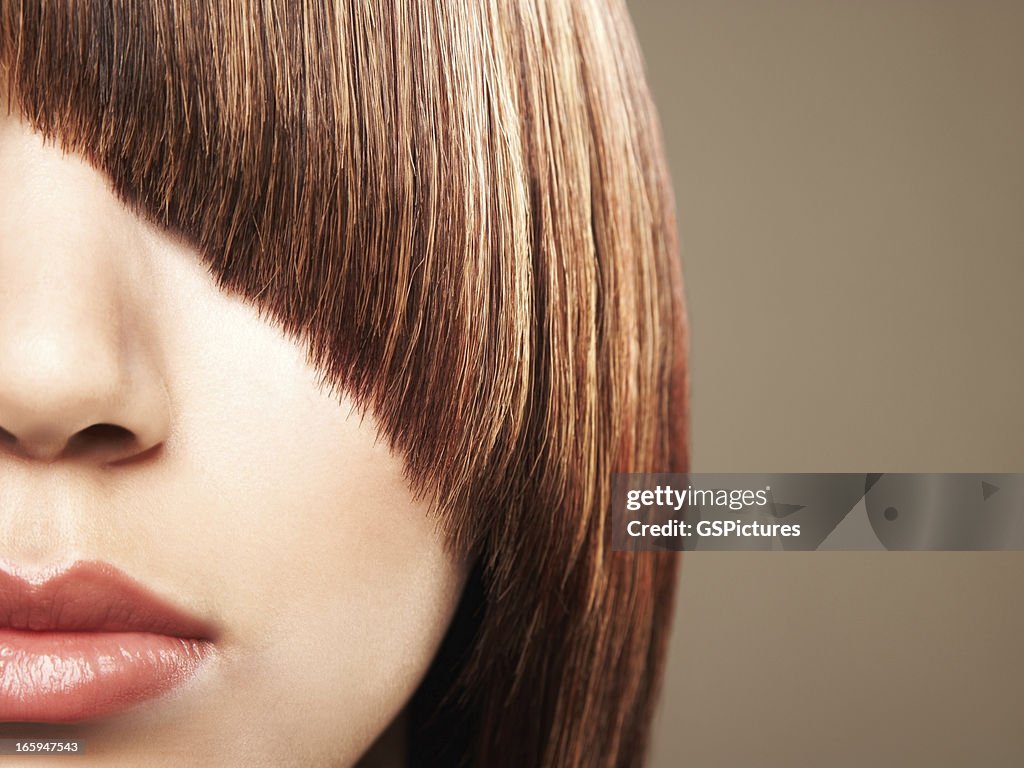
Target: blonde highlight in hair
(463, 211)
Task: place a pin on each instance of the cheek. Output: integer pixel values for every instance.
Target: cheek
(333, 583)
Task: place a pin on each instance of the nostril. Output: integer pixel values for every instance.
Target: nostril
(109, 443)
(106, 438)
(105, 432)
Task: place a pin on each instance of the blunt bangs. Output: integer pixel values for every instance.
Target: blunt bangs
(351, 169)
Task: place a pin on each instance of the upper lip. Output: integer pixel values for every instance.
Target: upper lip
(92, 597)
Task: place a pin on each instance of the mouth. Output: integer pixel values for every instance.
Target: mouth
(90, 642)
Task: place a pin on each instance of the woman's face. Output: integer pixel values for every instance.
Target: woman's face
(259, 510)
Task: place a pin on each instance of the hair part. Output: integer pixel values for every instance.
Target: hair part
(463, 211)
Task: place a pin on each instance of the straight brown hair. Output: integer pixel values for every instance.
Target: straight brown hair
(462, 210)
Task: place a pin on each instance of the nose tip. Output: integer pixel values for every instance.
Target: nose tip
(70, 399)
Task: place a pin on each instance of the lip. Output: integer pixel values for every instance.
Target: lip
(91, 642)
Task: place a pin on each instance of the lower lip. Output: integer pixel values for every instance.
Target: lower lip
(61, 677)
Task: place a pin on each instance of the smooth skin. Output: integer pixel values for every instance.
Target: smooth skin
(235, 485)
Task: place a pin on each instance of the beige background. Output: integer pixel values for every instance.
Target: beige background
(850, 185)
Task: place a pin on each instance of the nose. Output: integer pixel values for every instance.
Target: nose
(79, 374)
(68, 394)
